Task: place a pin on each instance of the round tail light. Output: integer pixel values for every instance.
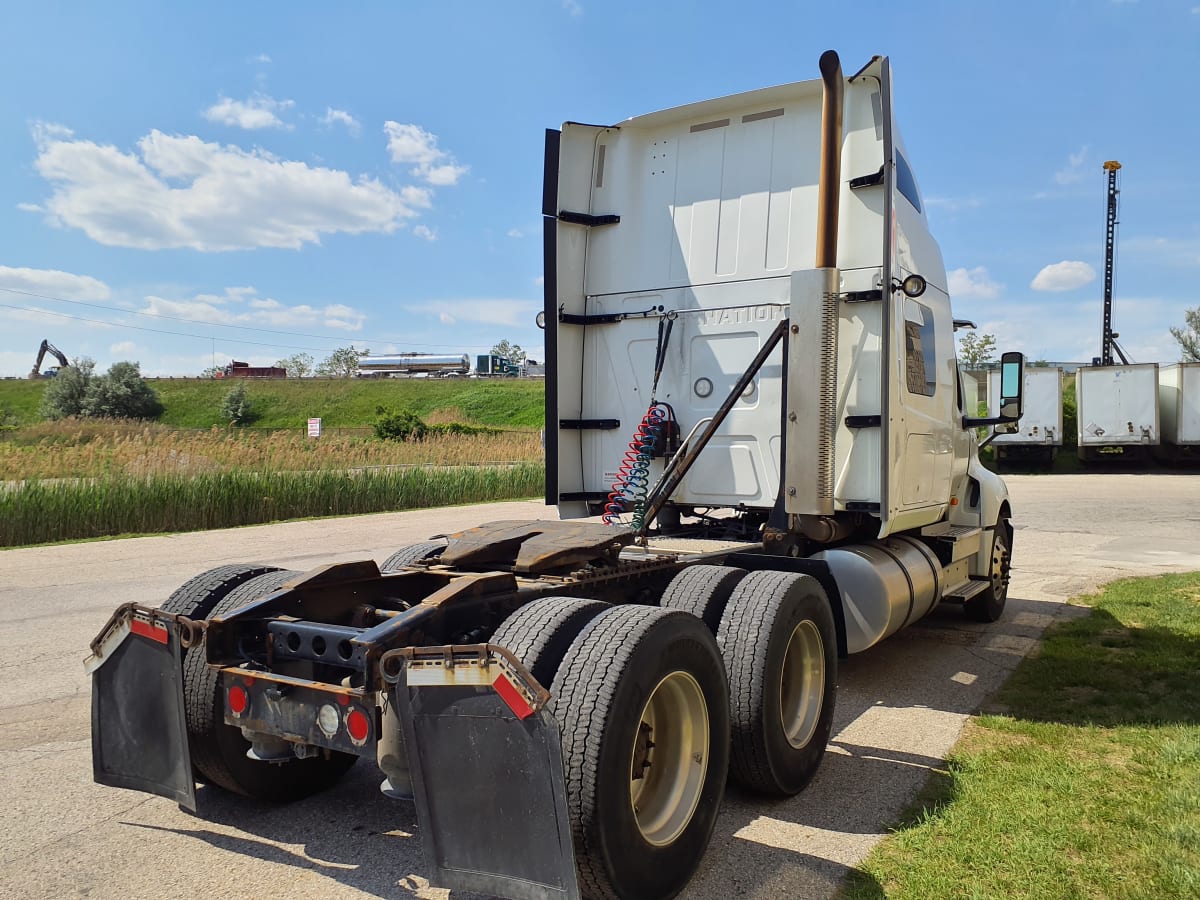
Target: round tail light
(239, 700)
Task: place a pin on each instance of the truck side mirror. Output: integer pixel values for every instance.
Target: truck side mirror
(1012, 399)
(1012, 380)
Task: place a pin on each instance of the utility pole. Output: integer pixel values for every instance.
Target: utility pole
(1110, 248)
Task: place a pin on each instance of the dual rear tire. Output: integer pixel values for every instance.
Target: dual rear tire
(778, 640)
(218, 750)
(640, 696)
(733, 675)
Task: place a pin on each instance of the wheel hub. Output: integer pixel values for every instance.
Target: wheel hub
(669, 758)
(802, 684)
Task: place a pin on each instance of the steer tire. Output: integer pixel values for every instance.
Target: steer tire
(406, 556)
(605, 694)
(540, 633)
(702, 591)
(776, 752)
(219, 751)
(988, 605)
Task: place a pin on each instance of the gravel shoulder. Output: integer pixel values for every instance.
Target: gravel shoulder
(901, 706)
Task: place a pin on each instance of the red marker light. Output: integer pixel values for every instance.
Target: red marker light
(239, 700)
(358, 725)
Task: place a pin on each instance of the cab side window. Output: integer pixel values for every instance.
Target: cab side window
(920, 363)
(906, 184)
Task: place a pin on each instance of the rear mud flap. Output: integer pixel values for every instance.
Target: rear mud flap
(487, 772)
(139, 733)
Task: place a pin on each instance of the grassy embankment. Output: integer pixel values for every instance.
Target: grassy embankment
(1088, 783)
(88, 479)
(340, 403)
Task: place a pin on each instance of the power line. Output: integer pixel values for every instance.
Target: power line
(133, 312)
(198, 337)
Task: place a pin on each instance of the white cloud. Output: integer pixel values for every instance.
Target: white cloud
(574, 7)
(1074, 171)
(123, 347)
(185, 192)
(491, 311)
(417, 196)
(261, 59)
(424, 231)
(256, 111)
(1184, 252)
(516, 233)
(953, 205)
(1064, 276)
(341, 117)
(413, 144)
(243, 306)
(973, 283)
(53, 283)
(540, 281)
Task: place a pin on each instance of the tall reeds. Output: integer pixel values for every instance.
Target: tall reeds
(83, 449)
(35, 511)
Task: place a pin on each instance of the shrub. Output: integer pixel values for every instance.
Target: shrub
(407, 426)
(236, 407)
(1070, 433)
(65, 394)
(399, 426)
(121, 393)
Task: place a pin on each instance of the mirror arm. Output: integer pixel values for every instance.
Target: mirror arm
(969, 422)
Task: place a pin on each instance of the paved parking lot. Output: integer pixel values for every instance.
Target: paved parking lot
(900, 708)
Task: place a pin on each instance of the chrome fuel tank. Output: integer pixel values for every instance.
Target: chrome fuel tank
(885, 585)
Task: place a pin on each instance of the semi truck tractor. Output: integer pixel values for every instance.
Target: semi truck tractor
(1040, 433)
(757, 444)
(488, 364)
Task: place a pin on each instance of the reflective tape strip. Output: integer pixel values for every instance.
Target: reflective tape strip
(150, 630)
(510, 695)
(441, 676)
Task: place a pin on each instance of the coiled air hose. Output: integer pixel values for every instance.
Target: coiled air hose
(632, 484)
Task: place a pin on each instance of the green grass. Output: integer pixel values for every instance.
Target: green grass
(1086, 783)
(340, 403)
(42, 512)
(19, 401)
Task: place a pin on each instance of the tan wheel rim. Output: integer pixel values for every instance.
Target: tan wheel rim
(802, 684)
(670, 758)
(1000, 567)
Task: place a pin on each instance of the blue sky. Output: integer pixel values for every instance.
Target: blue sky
(260, 179)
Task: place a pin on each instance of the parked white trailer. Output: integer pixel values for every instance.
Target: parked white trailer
(1040, 432)
(1117, 410)
(1179, 409)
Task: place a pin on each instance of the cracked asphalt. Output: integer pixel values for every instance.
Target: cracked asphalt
(901, 706)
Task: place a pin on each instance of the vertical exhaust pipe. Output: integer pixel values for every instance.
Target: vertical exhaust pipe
(809, 453)
(830, 186)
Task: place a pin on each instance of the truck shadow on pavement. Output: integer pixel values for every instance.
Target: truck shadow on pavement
(349, 833)
(900, 707)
